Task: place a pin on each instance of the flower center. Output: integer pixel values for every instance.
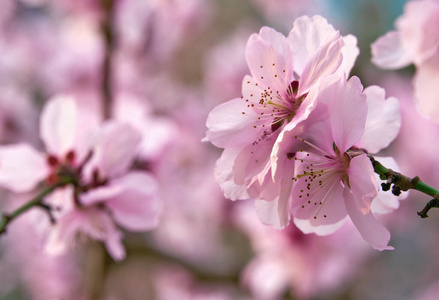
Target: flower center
(317, 176)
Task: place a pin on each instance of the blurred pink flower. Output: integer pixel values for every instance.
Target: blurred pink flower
(109, 193)
(104, 189)
(306, 265)
(415, 40)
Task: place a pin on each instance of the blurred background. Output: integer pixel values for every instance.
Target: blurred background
(173, 61)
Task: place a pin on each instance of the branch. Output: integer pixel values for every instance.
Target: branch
(107, 68)
(37, 201)
(403, 183)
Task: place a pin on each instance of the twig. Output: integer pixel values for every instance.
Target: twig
(107, 68)
(37, 201)
(403, 183)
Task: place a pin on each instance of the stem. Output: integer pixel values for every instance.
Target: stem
(107, 68)
(403, 183)
(37, 201)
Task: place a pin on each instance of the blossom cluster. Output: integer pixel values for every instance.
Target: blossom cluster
(297, 139)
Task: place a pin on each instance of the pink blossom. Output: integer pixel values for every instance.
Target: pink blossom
(415, 40)
(281, 92)
(333, 180)
(98, 159)
(306, 265)
(109, 193)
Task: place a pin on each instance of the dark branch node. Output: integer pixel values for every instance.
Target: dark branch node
(433, 203)
(386, 186)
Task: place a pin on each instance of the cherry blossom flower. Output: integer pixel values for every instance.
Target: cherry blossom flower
(98, 160)
(109, 193)
(285, 77)
(415, 40)
(333, 179)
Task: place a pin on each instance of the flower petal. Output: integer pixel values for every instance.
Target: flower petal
(277, 212)
(225, 177)
(326, 62)
(427, 88)
(370, 229)
(362, 181)
(132, 199)
(115, 148)
(58, 125)
(231, 124)
(389, 53)
(21, 167)
(307, 37)
(350, 53)
(348, 113)
(269, 59)
(383, 120)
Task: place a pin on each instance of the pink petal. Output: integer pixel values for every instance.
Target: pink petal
(348, 113)
(362, 181)
(101, 194)
(370, 229)
(92, 222)
(114, 245)
(350, 53)
(268, 55)
(115, 148)
(277, 211)
(229, 127)
(326, 61)
(132, 199)
(427, 88)
(21, 167)
(383, 120)
(267, 287)
(253, 162)
(389, 53)
(58, 125)
(225, 178)
(307, 37)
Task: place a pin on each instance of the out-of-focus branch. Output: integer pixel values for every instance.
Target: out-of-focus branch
(107, 67)
(35, 202)
(401, 182)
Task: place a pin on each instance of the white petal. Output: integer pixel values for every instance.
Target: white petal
(58, 125)
(225, 177)
(389, 53)
(21, 167)
(383, 120)
(307, 37)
